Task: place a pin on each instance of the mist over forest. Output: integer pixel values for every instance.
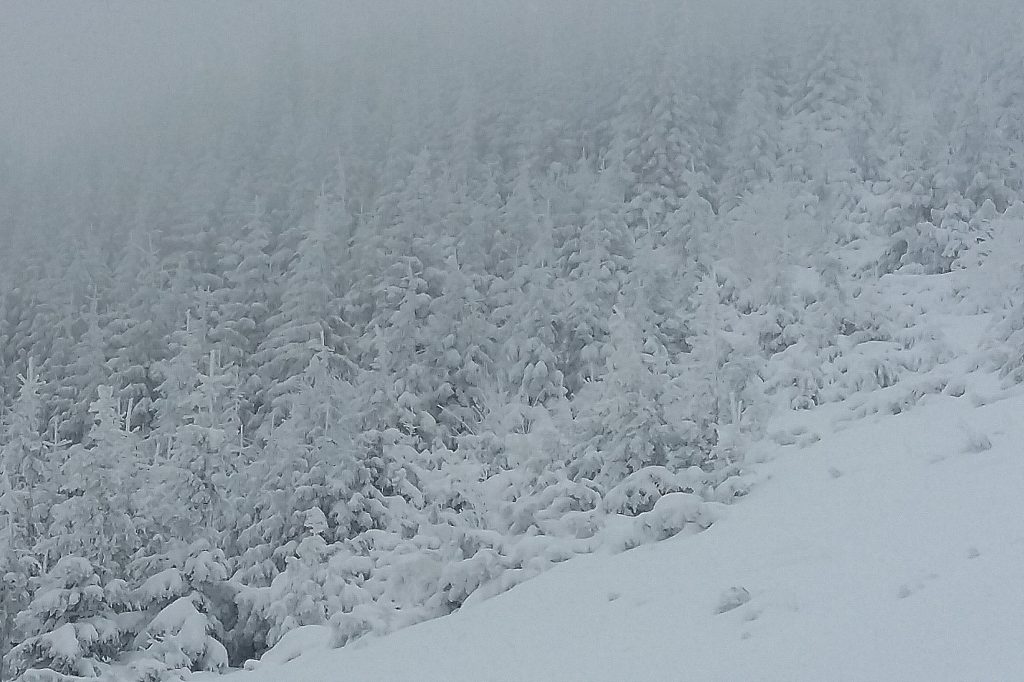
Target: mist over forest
(352, 314)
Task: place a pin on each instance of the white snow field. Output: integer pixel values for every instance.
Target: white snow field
(890, 549)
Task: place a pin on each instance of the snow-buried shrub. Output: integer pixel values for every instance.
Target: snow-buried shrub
(642, 490)
(384, 581)
(672, 514)
(555, 504)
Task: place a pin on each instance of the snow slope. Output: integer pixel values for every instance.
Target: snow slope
(890, 549)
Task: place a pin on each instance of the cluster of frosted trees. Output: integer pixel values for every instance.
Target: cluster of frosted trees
(357, 360)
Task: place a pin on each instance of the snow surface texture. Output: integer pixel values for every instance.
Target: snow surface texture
(890, 549)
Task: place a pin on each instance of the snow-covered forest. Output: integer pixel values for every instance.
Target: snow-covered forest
(410, 303)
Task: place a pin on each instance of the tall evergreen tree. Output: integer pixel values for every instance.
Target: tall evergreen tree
(310, 311)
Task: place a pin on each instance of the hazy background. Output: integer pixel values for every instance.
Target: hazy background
(74, 69)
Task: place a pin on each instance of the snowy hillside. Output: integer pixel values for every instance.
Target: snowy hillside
(890, 549)
(510, 339)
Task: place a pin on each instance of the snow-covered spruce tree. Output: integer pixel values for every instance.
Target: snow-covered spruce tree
(73, 626)
(721, 372)
(907, 188)
(176, 611)
(833, 109)
(669, 139)
(16, 568)
(753, 145)
(200, 433)
(6, 385)
(376, 526)
(15, 302)
(43, 332)
(188, 237)
(74, 279)
(624, 416)
(14, 594)
(496, 234)
(243, 304)
(462, 358)
(85, 373)
(28, 469)
(309, 311)
(425, 553)
(299, 594)
(972, 149)
(312, 464)
(664, 272)
(99, 518)
(594, 252)
(523, 303)
(138, 324)
(978, 133)
(178, 375)
(531, 369)
(309, 460)
(402, 389)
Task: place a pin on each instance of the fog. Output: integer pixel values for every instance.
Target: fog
(70, 66)
(72, 70)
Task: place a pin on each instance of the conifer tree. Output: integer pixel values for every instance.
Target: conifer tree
(178, 606)
(593, 258)
(309, 311)
(244, 303)
(138, 324)
(622, 415)
(84, 374)
(310, 460)
(72, 625)
(99, 519)
(29, 472)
